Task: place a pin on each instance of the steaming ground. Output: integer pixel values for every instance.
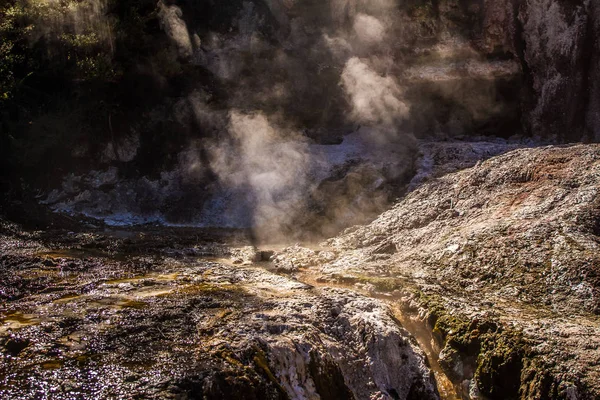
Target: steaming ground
(333, 187)
(248, 186)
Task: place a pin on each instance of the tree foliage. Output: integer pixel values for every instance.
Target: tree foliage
(67, 67)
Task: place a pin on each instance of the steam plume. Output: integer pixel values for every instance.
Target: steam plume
(266, 163)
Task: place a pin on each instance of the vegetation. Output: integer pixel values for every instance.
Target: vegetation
(501, 359)
(71, 73)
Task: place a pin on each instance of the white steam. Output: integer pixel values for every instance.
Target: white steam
(268, 164)
(266, 172)
(369, 29)
(319, 71)
(174, 26)
(375, 99)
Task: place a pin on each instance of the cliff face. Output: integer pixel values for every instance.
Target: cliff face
(593, 111)
(561, 40)
(212, 96)
(556, 46)
(551, 45)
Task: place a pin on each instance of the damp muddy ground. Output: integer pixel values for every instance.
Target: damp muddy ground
(188, 313)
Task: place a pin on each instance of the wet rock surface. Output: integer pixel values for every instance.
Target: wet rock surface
(164, 314)
(493, 269)
(499, 262)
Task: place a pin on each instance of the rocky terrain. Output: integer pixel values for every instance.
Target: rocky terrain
(161, 158)
(481, 283)
(499, 262)
(169, 315)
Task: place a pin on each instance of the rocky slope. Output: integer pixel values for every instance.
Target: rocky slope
(500, 261)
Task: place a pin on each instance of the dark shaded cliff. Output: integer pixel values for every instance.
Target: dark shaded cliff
(149, 88)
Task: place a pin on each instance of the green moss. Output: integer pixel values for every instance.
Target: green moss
(52, 364)
(137, 305)
(262, 365)
(260, 360)
(573, 243)
(496, 354)
(230, 358)
(422, 10)
(383, 284)
(205, 287)
(499, 364)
